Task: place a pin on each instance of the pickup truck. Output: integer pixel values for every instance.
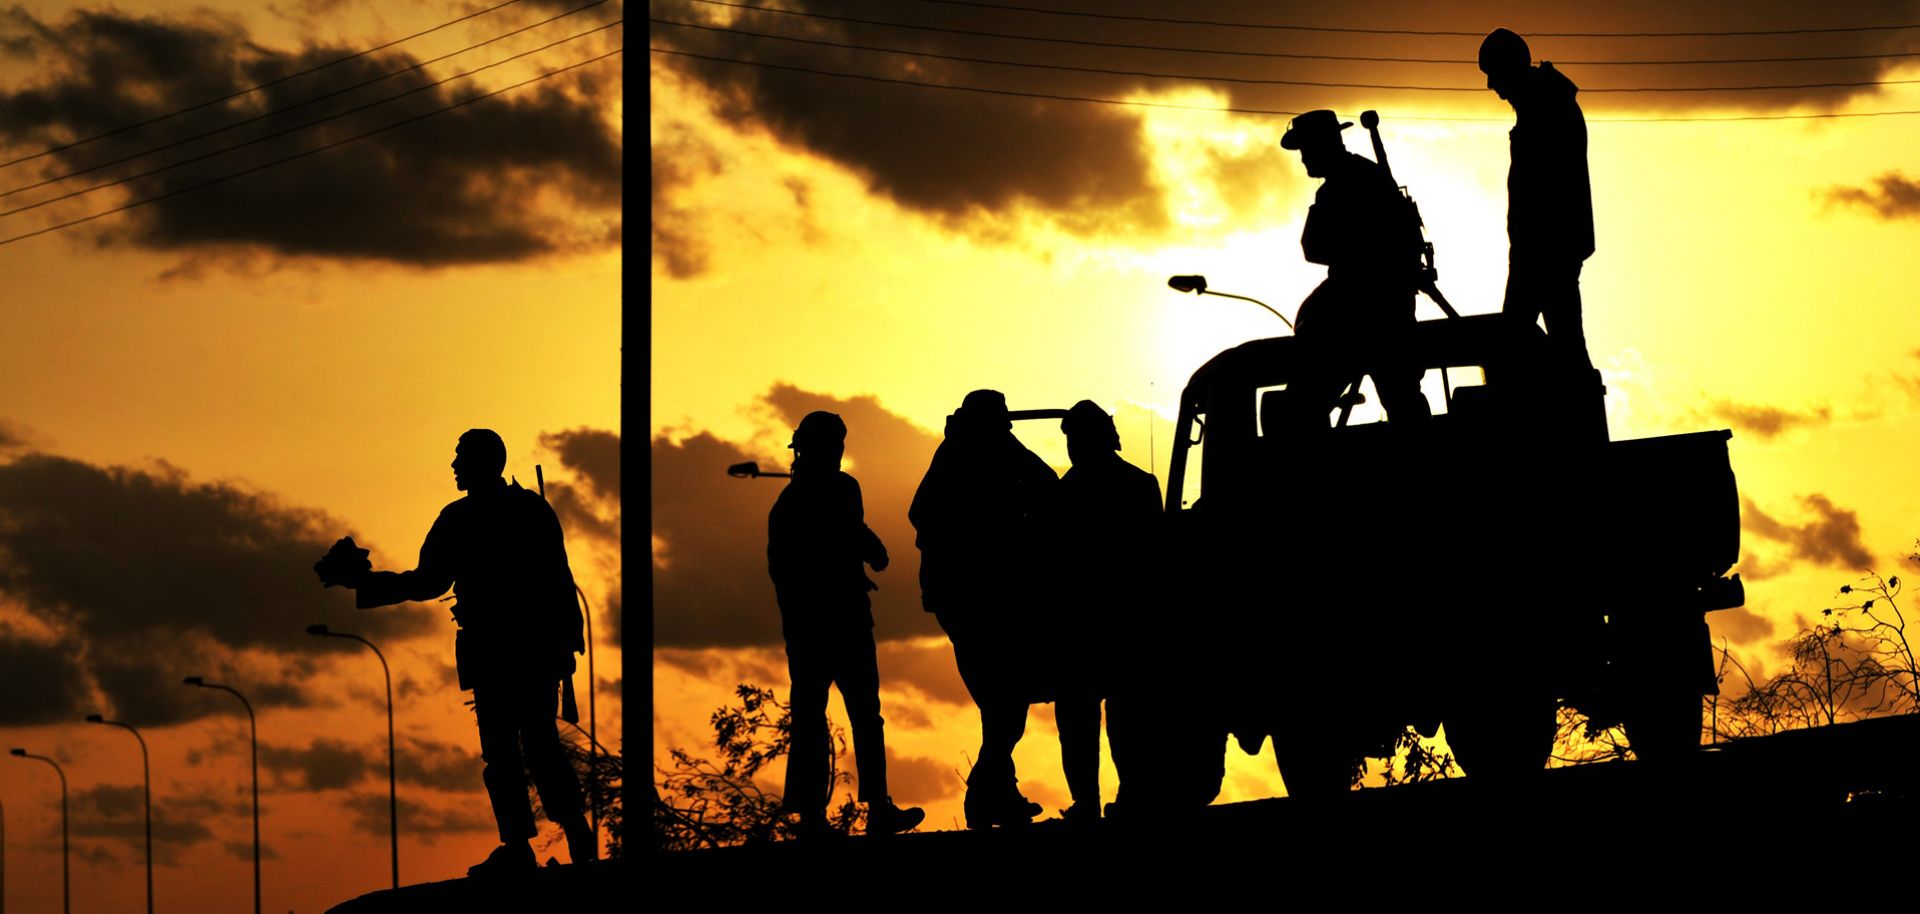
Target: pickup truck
(1481, 569)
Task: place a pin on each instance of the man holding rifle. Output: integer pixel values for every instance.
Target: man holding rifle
(1366, 234)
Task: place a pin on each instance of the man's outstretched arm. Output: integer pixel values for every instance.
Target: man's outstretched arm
(347, 566)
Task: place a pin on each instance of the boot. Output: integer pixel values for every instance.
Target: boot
(507, 860)
(987, 807)
(884, 818)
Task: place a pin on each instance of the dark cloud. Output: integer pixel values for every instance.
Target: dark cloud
(117, 815)
(914, 781)
(710, 583)
(326, 764)
(370, 810)
(1754, 568)
(11, 436)
(439, 676)
(614, 614)
(1766, 422)
(927, 666)
(593, 454)
(438, 766)
(954, 154)
(243, 850)
(40, 683)
(1740, 625)
(591, 507)
(157, 576)
(527, 173)
(1832, 537)
(760, 667)
(679, 160)
(1893, 196)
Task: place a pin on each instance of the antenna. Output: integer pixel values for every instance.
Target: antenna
(540, 479)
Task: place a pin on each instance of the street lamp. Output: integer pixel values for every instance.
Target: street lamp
(66, 897)
(1198, 286)
(253, 730)
(146, 774)
(393, 794)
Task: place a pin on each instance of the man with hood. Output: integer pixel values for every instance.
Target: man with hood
(817, 541)
(975, 517)
(1549, 194)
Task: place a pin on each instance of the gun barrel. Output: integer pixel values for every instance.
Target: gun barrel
(1371, 121)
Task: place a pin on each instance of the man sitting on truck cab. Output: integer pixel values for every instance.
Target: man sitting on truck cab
(1357, 320)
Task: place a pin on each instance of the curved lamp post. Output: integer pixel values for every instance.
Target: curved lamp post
(393, 793)
(66, 889)
(146, 776)
(253, 730)
(1198, 286)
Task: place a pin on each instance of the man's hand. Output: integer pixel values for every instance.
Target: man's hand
(879, 562)
(345, 564)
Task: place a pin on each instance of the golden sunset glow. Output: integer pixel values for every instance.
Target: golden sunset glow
(197, 395)
(1751, 274)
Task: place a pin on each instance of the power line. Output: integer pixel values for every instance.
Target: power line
(1266, 111)
(304, 153)
(1286, 55)
(285, 108)
(283, 132)
(1167, 20)
(1196, 77)
(959, 88)
(255, 88)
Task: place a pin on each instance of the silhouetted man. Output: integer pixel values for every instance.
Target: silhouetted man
(975, 515)
(1549, 196)
(1356, 321)
(1108, 514)
(501, 551)
(817, 541)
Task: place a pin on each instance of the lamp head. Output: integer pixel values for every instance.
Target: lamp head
(317, 630)
(746, 470)
(20, 752)
(194, 681)
(1194, 284)
(96, 719)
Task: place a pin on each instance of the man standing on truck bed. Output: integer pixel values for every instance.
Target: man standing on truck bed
(975, 516)
(1365, 232)
(817, 541)
(1549, 195)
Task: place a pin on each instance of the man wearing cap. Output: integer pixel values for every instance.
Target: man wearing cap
(1107, 526)
(1549, 195)
(501, 550)
(817, 541)
(976, 517)
(1364, 231)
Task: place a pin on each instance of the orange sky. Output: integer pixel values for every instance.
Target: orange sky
(882, 249)
(198, 396)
